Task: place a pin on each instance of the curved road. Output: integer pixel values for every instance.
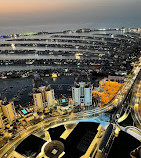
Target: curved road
(47, 123)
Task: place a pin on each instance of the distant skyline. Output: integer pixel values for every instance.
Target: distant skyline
(48, 12)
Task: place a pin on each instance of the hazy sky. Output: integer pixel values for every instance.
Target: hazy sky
(37, 12)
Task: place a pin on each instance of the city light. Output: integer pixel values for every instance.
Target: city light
(71, 85)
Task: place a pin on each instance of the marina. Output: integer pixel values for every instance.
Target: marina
(70, 79)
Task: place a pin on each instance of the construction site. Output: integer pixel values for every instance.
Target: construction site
(106, 91)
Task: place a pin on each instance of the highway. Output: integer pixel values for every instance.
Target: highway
(118, 101)
(136, 102)
(125, 93)
(124, 107)
(44, 125)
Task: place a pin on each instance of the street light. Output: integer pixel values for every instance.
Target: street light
(116, 100)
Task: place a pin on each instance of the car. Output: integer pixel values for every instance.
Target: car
(5, 155)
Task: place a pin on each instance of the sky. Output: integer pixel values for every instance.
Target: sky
(37, 12)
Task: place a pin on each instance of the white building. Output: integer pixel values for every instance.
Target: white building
(43, 95)
(82, 90)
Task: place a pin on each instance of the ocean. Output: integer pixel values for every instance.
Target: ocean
(61, 27)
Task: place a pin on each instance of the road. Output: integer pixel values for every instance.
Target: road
(126, 92)
(116, 102)
(48, 123)
(136, 102)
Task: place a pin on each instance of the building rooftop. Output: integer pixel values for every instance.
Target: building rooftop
(123, 145)
(82, 77)
(56, 132)
(39, 82)
(54, 148)
(77, 143)
(136, 153)
(80, 139)
(31, 146)
(106, 136)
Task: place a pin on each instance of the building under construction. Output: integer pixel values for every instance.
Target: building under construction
(106, 91)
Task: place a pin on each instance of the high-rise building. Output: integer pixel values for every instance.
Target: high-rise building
(82, 90)
(43, 95)
(38, 101)
(1, 115)
(50, 97)
(8, 110)
(1, 121)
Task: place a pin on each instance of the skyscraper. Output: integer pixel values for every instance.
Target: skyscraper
(1, 121)
(8, 110)
(43, 95)
(82, 90)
